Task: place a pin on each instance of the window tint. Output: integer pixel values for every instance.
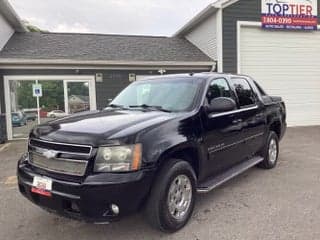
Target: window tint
(244, 92)
(218, 88)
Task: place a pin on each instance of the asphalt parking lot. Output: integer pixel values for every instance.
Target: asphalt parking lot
(283, 203)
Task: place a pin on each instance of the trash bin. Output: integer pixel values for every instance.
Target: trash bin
(3, 129)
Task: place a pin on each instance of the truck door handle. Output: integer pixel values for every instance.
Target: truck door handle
(236, 121)
(259, 115)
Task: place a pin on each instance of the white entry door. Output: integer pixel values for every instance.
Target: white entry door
(287, 64)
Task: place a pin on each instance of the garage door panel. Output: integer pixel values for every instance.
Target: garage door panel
(303, 112)
(286, 63)
(273, 83)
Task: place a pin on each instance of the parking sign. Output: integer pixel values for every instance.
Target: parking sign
(37, 90)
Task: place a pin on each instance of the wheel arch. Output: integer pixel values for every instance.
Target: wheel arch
(276, 127)
(186, 151)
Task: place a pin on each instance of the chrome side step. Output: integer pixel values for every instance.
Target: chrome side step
(231, 173)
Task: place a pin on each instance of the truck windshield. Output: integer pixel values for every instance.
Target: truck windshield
(169, 95)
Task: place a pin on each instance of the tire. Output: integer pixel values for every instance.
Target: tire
(270, 152)
(158, 211)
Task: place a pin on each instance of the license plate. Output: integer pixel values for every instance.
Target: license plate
(42, 186)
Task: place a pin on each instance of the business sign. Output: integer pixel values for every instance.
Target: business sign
(289, 14)
(37, 90)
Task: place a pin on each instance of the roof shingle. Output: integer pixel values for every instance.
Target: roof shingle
(97, 47)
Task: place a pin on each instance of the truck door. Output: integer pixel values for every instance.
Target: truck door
(221, 131)
(251, 114)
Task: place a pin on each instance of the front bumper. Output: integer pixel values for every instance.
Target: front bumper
(90, 200)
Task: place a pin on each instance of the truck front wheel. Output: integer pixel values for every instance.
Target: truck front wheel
(172, 197)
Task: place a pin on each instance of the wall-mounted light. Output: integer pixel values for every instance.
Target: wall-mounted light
(132, 77)
(162, 71)
(99, 77)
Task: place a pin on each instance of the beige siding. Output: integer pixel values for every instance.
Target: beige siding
(204, 36)
(286, 63)
(6, 32)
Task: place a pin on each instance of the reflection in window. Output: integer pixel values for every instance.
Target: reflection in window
(173, 95)
(244, 92)
(218, 88)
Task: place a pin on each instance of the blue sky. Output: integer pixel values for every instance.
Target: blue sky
(143, 17)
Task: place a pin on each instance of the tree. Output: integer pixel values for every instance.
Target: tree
(52, 95)
(32, 28)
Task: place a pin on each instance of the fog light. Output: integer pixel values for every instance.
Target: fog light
(115, 209)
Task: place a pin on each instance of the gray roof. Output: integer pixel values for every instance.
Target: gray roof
(99, 47)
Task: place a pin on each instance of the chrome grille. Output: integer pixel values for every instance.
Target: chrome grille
(64, 158)
(59, 165)
(61, 147)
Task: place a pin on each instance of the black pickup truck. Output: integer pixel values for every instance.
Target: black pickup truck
(157, 144)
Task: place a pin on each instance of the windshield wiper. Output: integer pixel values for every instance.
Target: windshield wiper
(145, 106)
(116, 106)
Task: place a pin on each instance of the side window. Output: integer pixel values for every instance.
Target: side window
(244, 92)
(218, 88)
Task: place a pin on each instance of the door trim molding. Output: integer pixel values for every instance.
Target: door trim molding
(213, 149)
(8, 78)
(214, 115)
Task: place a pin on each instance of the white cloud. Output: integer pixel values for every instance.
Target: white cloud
(149, 17)
(75, 27)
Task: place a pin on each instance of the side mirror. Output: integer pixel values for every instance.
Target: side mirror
(221, 104)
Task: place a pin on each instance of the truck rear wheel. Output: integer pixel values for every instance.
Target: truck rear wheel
(172, 197)
(270, 152)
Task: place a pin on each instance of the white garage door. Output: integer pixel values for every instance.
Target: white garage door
(287, 64)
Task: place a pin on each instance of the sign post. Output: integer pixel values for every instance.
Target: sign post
(37, 92)
(289, 14)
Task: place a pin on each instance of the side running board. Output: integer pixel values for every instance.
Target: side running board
(231, 173)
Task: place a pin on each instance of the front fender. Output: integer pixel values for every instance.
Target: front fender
(175, 136)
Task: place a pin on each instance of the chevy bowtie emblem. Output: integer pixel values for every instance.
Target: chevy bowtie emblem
(50, 154)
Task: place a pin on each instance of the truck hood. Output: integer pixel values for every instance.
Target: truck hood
(98, 127)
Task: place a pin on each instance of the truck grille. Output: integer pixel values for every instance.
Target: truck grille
(61, 147)
(59, 165)
(64, 158)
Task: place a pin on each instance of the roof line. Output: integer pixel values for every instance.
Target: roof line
(100, 34)
(7, 11)
(195, 20)
(205, 13)
(104, 62)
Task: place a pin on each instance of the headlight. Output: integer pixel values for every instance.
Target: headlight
(118, 158)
